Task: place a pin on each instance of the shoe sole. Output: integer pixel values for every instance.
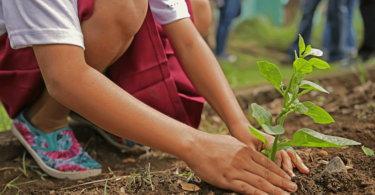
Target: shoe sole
(107, 137)
(53, 172)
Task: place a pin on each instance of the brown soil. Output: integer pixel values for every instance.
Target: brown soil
(351, 106)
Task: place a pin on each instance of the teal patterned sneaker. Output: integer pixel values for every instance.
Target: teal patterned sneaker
(58, 153)
(118, 142)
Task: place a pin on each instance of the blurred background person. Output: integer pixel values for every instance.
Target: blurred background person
(367, 8)
(337, 14)
(229, 9)
(350, 45)
(202, 15)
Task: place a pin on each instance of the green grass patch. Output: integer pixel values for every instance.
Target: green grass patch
(5, 121)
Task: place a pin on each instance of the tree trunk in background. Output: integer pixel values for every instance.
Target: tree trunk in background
(291, 9)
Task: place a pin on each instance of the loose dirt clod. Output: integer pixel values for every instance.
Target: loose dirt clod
(189, 187)
(323, 153)
(336, 166)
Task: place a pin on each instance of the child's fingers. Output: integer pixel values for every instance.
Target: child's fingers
(287, 163)
(278, 159)
(299, 164)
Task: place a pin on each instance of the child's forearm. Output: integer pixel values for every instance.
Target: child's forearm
(204, 71)
(88, 92)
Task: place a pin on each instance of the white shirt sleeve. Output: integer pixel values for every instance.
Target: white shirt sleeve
(31, 22)
(167, 11)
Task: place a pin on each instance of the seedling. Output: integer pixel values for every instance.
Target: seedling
(170, 181)
(303, 137)
(11, 185)
(362, 73)
(23, 169)
(105, 186)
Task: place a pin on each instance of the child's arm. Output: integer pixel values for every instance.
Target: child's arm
(205, 73)
(218, 159)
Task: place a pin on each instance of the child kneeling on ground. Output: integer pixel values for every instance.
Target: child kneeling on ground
(54, 54)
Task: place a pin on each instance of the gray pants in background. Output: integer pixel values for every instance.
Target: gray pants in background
(337, 12)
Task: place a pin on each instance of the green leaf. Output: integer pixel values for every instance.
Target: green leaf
(302, 45)
(315, 112)
(302, 66)
(298, 77)
(273, 130)
(262, 115)
(310, 85)
(308, 50)
(271, 72)
(314, 52)
(367, 151)
(302, 108)
(258, 135)
(265, 152)
(310, 138)
(288, 97)
(318, 63)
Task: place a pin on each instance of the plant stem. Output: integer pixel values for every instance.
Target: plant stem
(288, 88)
(277, 137)
(274, 148)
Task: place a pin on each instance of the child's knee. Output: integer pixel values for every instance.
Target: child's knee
(110, 30)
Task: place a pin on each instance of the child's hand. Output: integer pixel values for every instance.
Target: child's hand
(284, 158)
(225, 162)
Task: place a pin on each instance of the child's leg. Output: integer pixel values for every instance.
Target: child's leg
(107, 35)
(47, 114)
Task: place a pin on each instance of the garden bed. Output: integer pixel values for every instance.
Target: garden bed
(351, 105)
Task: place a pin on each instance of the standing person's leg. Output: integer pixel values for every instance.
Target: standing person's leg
(337, 15)
(351, 33)
(227, 13)
(308, 10)
(327, 37)
(107, 35)
(367, 8)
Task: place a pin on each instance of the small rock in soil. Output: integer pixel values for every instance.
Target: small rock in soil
(323, 153)
(324, 162)
(336, 166)
(211, 193)
(349, 163)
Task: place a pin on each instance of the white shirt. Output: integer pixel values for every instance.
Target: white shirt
(30, 22)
